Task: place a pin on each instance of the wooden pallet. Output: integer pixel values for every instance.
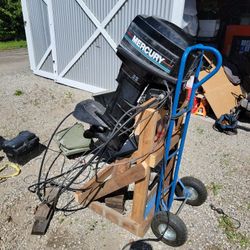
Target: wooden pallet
(135, 171)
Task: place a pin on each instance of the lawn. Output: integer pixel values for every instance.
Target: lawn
(13, 45)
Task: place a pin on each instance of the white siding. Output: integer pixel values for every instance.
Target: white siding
(74, 41)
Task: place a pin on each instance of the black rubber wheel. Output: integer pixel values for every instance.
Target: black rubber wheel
(198, 191)
(169, 228)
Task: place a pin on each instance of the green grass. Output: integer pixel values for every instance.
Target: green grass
(18, 92)
(12, 45)
(226, 224)
(215, 188)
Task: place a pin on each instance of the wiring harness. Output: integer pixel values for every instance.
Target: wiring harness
(66, 180)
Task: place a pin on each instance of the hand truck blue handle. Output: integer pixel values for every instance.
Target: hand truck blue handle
(197, 82)
(218, 64)
(176, 113)
(202, 48)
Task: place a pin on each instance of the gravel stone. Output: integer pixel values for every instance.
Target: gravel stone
(216, 159)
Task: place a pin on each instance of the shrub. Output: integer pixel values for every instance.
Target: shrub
(11, 20)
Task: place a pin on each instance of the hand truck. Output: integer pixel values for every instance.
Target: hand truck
(189, 190)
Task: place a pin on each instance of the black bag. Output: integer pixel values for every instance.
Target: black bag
(22, 144)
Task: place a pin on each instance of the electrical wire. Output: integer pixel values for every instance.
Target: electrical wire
(11, 165)
(46, 150)
(121, 118)
(235, 225)
(71, 175)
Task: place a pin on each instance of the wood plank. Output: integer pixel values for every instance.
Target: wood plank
(41, 226)
(144, 226)
(117, 201)
(44, 213)
(102, 175)
(146, 141)
(93, 184)
(130, 176)
(115, 217)
(146, 131)
(121, 168)
(43, 210)
(122, 220)
(140, 197)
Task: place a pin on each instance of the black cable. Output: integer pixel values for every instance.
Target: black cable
(118, 131)
(163, 101)
(162, 235)
(101, 149)
(113, 134)
(39, 177)
(46, 150)
(157, 109)
(221, 212)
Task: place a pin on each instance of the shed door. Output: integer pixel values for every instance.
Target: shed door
(74, 41)
(36, 17)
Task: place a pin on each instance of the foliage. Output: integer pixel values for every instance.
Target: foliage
(18, 92)
(231, 232)
(12, 45)
(215, 188)
(11, 20)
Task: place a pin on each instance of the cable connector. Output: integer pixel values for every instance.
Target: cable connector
(235, 224)
(218, 210)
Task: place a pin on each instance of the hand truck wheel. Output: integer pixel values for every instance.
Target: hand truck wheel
(194, 189)
(169, 228)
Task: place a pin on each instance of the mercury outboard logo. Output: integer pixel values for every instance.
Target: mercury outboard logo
(147, 50)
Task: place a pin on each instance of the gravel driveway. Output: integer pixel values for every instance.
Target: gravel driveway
(29, 102)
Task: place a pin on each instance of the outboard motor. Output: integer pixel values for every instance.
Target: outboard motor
(151, 52)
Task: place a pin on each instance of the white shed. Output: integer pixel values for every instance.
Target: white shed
(74, 42)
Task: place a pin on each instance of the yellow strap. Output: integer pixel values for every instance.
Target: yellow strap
(12, 165)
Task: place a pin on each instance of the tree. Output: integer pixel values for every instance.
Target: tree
(11, 20)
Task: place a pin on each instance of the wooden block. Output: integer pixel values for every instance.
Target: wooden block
(140, 197)
(101, 176)
(121, 168)
(41, 226)
(118, 199)
(42, 211)
(116, 202)
(138, 229)
(147, 130)
(50, 194)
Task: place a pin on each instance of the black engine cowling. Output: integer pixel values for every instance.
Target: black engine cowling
(150, 51)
